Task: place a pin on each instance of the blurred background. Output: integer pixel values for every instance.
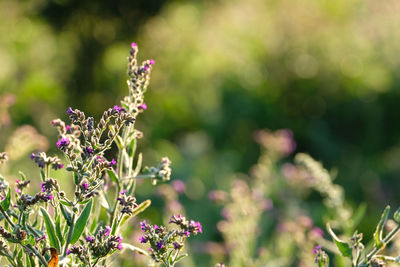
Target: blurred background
(326, 70)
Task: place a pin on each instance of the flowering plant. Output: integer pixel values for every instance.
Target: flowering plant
(52, 228)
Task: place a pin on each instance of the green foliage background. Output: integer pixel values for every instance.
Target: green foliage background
(328, 70)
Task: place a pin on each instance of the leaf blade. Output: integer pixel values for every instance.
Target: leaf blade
(81, 223)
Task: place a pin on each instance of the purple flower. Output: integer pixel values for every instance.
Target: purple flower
(156, 228)
(143, 225)
(85, 185)
(32, 155)
(120, 238)
(113, 162)
(152, 61)
(90, 150)
(177, 245)
(108, 232)
(68, 251)
(143, 106)
(50, 196)
(89, 238)
(17, 190)
(133, 45)
(100, 159)
(122, 192)
(119, 246)
(42, 186)
(62, 143)
(315, 250)
(142, 239)
(118, 109)
(69, 110)
(67, 127)
(159, 245)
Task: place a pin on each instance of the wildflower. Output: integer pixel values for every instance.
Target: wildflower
(143, 106)
(69, 111)
(152, 61)
(62, 143)
(118, 109)
(133, 45)
(113, 162)
(177, 245)
(143, 225)
(316, 249)
(89, 239)
(85, 186)
(159, 245)
(122, 192)
(142, 239)
(108, 230)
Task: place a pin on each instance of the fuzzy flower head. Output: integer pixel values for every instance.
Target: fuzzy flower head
(63, 143)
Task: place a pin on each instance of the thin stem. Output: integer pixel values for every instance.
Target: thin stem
(140, 176)
(41, 258)
(385, 241)
(6, 216)
(69, 236)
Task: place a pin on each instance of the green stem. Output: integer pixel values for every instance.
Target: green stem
(6, 216)
(385, 241)
(69, 236)
(41, 258)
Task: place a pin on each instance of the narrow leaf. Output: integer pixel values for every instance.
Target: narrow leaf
(132, 148)
(142, 207)
(81, 223)
(50, 229)
(67, 215)
(5, 204)
(58, 230)
(379, 228)
(343, 247)
(113, 176)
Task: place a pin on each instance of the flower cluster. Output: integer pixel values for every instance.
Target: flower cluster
(160, 173)
(321, 258)
(128, 203)
(99, 245)
(165, 245)
(20, 185)
(42, 160)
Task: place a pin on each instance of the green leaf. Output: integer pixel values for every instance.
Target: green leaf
(42, 175)
(50, 229)
(132, 148)
(19, 259)
(379, 228)
(113, 176)
(66, 203)
(343, 247)
(22, 175)
(138, 165)
(142, 207)
(81, 223)
(77, 178)
(67, 215)
(5, 204)
(58, 230)
(396, 215)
